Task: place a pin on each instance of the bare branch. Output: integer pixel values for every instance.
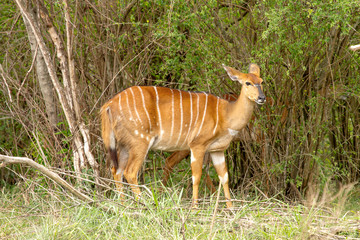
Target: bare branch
(4, 78)
(55, 177)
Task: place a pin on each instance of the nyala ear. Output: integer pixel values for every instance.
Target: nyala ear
(254, 69)
(234, 74)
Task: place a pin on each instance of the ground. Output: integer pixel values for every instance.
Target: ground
(29, 211)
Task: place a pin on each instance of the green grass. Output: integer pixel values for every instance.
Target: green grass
(29, 211)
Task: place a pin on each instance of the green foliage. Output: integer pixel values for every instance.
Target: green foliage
(307, 132)
(184, 51)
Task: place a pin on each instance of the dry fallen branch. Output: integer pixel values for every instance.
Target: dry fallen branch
(4, 160)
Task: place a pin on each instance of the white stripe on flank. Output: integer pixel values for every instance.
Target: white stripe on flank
(181, 117)
(146, 112)
(128, 105)
(158, 110)
(197, 109)
(136, 111)
(191, 116)
(203, 119)
(120, 107)
(217, 115)
(172, 115)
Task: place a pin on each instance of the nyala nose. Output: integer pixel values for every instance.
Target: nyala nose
(262, 98)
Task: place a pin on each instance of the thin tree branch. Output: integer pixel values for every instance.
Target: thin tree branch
(4, 160)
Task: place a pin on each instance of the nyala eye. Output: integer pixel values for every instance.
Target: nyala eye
(248, 84)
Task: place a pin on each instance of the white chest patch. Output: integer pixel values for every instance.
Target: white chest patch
(232, 132)
(221, 143)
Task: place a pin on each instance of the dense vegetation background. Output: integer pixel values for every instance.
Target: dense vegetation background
(61, 60)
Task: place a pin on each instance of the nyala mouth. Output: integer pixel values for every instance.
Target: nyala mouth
(260, 102)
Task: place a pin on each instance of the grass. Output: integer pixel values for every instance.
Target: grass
(29, 211)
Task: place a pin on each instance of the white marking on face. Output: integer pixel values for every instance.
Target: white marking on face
(217, 115)
(218, 158)
(172, 115)
(181, 119)
(144, 106)
(204, 115)
(158, 107)
(224, 179)
(136, 111)
(233, 132)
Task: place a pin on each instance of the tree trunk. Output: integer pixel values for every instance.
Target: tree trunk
(66, 92)
(42, 74)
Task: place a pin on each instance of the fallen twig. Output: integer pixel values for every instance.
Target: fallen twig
(4, 160)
